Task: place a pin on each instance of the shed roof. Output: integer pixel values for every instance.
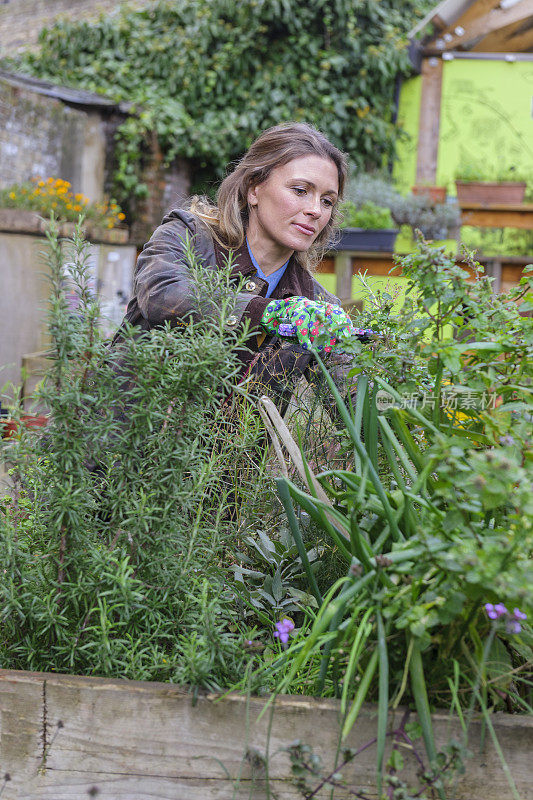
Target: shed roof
(477, 26)
(77, 97)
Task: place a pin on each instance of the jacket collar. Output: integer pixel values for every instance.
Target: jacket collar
(295, 281)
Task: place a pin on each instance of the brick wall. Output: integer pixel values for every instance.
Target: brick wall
(168, 187)
(22, 20)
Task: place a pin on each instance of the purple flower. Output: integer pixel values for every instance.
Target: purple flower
(283, 629)
(495, 612)
(513, 626)
(513, 620)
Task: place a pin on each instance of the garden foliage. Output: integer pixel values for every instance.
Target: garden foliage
(111, 541)
(408, 582)
(431, 511)
(207, 77)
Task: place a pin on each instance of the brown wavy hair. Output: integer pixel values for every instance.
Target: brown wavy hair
(276, 146)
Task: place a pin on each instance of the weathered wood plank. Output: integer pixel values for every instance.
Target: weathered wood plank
(429, 123)
(489, 22)
(71, 737)
(497, 216)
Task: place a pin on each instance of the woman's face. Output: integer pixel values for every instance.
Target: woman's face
(293, 205)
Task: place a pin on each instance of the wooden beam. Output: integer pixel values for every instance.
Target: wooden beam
(520, 42)
(429, 124)
(492, 21)
(493, 269)
(474, 12)
(505, 40)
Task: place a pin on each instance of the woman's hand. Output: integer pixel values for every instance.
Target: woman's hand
(326, 323)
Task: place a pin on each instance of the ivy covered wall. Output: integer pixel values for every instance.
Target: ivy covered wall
(208, 76)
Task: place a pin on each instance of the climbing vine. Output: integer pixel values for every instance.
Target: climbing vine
(208, 75)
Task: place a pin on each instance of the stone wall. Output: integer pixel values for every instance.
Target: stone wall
(43, 137)
(22, 20)
(25, 291)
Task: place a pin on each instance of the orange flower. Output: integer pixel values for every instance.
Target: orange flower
(121, 216)
(12, 195)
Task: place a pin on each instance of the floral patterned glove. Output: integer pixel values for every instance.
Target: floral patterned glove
(310, 320)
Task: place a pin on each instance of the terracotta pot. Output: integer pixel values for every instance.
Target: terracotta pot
(490, 192)
(437, 194)
(9, 427)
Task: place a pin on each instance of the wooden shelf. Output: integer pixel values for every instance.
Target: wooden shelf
(506, 270)
(519, 215)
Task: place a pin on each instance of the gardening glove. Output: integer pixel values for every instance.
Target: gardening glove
(326, 323)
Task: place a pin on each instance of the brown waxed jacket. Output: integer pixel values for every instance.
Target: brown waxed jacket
(162, 291)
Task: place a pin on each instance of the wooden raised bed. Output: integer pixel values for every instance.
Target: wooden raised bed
(68, 737)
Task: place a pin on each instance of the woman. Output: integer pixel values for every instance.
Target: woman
(276, 212)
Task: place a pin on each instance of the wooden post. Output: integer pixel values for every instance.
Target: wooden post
(428, 130)
(343, 271)
(493, 268)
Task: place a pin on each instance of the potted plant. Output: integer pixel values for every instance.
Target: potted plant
(436, 221)
(418, 211)
(9, 426)
(368, 227)
(436, 194)
(476, 183)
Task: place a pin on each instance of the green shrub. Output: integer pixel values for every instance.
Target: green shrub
(472, 170)
(111, 544)
(433, 517)
(433, 220)
(369, 216)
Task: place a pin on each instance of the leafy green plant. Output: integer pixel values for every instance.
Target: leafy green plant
(208, 77)
(268, 579)
(433, 520)
(433, 220)
(111, 539)
(472, 170)
(369, 216)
